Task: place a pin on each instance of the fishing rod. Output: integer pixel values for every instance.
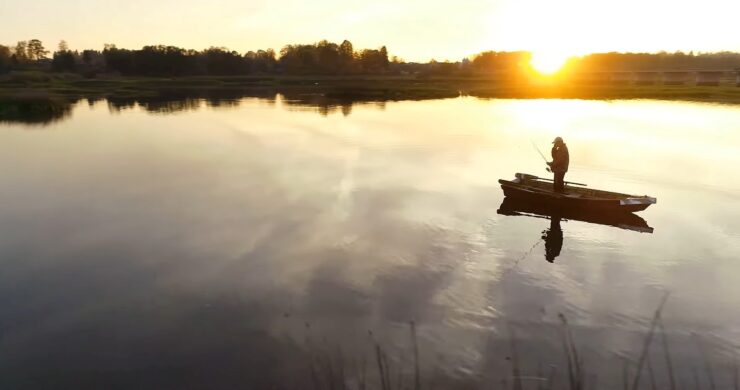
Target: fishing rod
(548, 169)
(538, 151)
(541, 155)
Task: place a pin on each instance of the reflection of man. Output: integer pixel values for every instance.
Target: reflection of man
(553, 239)
(559, 164)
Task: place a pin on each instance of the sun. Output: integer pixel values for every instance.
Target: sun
(547, 62)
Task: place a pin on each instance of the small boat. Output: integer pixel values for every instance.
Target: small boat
(536, 190)
(627, 221)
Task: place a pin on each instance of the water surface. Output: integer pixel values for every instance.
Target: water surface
(188, 244)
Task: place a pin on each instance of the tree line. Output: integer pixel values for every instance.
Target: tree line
(321, 58)
(662, 61)
(23, 52)
(508, 62)
(325, 58)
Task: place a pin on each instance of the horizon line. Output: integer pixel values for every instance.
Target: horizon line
(391, 54)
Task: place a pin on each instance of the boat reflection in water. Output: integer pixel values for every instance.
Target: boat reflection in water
(553, 236)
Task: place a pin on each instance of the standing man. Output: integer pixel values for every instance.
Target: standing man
(559, 164)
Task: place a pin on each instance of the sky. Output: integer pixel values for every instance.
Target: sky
(414, 30)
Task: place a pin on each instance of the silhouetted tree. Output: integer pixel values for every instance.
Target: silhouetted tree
(511, 64)
(36, 50)
(5, 59)
(328, 57)
(221, 61)
(446, 68)
(323, 57)
(64, 61)
(162, 61)
(119, 60)
(347, 60)
(20, 54)
(384, 57)
(655, 61)
(374, 61)
(93, 59)
(298, 59)
(91, 62)
(263, 61)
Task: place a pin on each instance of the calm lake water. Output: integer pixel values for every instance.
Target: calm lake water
(238, 245)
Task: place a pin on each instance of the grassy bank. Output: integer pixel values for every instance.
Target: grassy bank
(359, 88)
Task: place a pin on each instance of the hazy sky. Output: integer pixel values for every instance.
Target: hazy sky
(412, 29)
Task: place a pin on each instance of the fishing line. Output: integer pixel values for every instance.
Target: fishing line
(529, 252)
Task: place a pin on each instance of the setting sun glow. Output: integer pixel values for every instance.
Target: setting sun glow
(547, 63)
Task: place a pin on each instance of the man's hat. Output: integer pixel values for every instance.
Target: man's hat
(558, 140)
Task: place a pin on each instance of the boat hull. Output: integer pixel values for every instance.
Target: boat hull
(531, 189)
(574, 204)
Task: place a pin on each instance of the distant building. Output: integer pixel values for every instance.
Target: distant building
(709, 78)
(675, 78)
(646, 78)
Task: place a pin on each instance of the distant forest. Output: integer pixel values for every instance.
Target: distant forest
(322, 58)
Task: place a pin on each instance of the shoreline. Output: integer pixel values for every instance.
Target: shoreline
(42, 86)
